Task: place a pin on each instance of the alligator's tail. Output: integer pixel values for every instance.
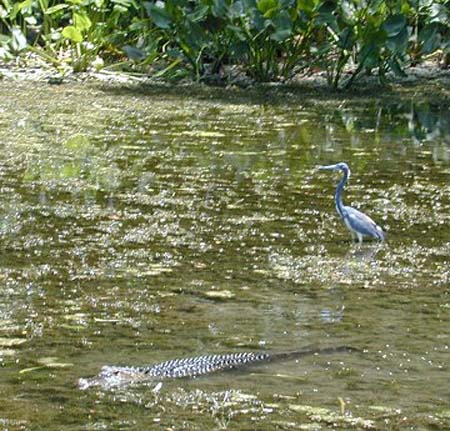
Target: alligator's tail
(200, 365)
(297, 354)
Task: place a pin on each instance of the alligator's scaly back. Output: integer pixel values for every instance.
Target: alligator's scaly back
(199, 365)
(114, 376)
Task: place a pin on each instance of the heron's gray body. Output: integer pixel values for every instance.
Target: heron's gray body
(117, 376)
(359, 224)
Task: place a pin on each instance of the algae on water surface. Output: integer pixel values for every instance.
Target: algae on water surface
(143, 224)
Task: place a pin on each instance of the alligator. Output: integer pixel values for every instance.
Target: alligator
(120, 376)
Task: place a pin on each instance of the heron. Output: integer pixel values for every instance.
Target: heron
(359, 224)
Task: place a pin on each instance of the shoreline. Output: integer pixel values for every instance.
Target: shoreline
(426, 83)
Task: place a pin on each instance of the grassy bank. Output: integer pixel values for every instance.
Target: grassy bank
(214, 40)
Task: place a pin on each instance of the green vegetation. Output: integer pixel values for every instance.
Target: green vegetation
(212, 39)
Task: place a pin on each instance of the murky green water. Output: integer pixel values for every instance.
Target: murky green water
(142, 225)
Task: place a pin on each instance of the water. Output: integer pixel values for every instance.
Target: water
(139, 225)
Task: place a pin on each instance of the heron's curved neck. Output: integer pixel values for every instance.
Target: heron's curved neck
(338, 194)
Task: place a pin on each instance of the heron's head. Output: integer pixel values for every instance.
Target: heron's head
(342, 166)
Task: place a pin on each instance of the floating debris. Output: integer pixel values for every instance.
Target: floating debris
(47, 362)
(12, 342)
(320, 414)
(7, 352)
(219, 294)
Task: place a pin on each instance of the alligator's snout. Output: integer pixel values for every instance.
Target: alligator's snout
(84, 384)
(112, 376)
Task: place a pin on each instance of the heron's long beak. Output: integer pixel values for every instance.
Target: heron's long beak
(328, 167)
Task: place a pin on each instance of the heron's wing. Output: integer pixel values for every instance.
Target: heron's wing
(362, 223)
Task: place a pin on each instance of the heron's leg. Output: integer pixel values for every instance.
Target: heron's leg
(360, 238)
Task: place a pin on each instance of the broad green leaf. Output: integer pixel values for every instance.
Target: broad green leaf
(125, 3)
(31, 20)
(394, 25)
(56, 8)
(346, 38)
(82, 21)
(326, 16)
(368, 54)
(219, 8)
(257, 21)
(281, 35)
(376, 6)
(430, 38)
(399, 43)
(72, 33)
(439, 13)
(159, 16)
(307, 5)
(267, 6)
(119, 9)
(3, 12)
(18, 39)
(23, 5)
(199, 14)
(7, 4)
(13, 11)
(236, 10)
(283, 26)
(195, 37)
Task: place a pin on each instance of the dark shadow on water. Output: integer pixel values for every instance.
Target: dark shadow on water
(283, 94)
(276, 95)
(421, 109)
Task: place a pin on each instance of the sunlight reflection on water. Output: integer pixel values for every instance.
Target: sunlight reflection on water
(140, 228)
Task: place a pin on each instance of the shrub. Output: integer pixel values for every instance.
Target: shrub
(266, 39)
